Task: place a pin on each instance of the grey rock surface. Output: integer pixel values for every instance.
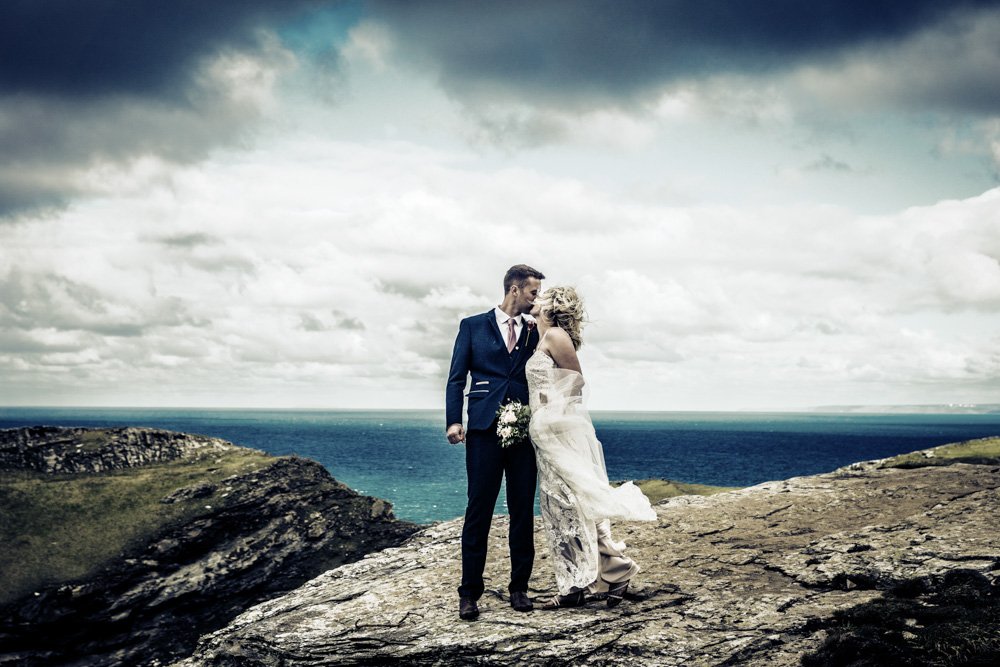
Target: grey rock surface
(56, 449)
(745, 577)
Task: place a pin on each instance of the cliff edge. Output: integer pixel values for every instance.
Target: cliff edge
(123, 546)
(783, 573)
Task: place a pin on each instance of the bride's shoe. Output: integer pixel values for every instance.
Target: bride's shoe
(616, 593)
(562, 601)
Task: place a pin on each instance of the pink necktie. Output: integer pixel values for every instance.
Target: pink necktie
(511, 338)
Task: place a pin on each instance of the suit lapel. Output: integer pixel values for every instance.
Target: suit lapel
(522, 340)
(492, 323)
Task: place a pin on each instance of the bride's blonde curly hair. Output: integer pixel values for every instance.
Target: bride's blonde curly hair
(564, 307)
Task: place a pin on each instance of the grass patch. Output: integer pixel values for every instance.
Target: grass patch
(984, 451)
(58, 528)
(92, 440)
(658, 489)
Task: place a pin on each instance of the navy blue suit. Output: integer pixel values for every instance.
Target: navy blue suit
(497, 377)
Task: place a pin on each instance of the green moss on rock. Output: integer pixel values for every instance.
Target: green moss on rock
(62, 527)
(984, 451)
(659, 489)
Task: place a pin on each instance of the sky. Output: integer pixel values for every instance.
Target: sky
(292, 203)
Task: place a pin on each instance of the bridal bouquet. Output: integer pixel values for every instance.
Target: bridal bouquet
(512, 423)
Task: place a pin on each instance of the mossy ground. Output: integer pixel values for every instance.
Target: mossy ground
(60, 528)
(658, 489)
(984, 451)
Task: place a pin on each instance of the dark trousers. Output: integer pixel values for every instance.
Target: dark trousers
(486, 463)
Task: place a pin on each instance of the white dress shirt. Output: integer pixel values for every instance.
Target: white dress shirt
(502, 318)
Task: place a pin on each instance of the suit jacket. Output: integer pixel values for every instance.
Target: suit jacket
(497, 375)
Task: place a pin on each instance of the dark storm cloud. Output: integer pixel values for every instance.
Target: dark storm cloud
(47, 145)
(70, 48)
(35, 196)
(109, 81)
(609, 51)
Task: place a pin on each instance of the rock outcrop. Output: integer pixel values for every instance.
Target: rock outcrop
(749, 577)
(54, 449)
(241, 539)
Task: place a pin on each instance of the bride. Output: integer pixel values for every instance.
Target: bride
(576, 500)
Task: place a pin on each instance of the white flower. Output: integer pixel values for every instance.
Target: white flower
(512, 423)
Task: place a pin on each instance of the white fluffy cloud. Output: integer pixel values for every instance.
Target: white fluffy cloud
(334, 274)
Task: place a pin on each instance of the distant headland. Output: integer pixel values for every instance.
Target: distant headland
(914, 409)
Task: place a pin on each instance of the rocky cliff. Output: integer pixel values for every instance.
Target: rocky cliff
(777, 574)
(185, 532)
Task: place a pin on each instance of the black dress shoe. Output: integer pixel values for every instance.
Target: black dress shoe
(520, 601)
(468, 610)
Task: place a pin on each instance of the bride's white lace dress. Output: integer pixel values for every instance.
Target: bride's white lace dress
(576, 499)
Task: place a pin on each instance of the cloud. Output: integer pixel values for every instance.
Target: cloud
(946, 66)
(88, 87)
(189, 240)
(514, 127)
(333, 320)
(827, 163)
(309, 322)
(368, 43)
(141, 48)
(56, 149)
(623, 76)
(276, 207)
(356, 279)
(604, 53)
(45, 300)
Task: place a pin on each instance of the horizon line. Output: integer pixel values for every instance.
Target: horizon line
(897, 408)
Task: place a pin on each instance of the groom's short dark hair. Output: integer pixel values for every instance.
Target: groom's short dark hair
(518, 275)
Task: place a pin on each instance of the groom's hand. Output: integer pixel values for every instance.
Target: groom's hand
(456, 434)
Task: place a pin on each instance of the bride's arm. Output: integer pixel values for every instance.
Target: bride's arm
(561, 349)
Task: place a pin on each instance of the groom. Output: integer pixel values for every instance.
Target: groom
(494, 347)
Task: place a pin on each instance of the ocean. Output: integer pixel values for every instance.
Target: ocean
(403, 456)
